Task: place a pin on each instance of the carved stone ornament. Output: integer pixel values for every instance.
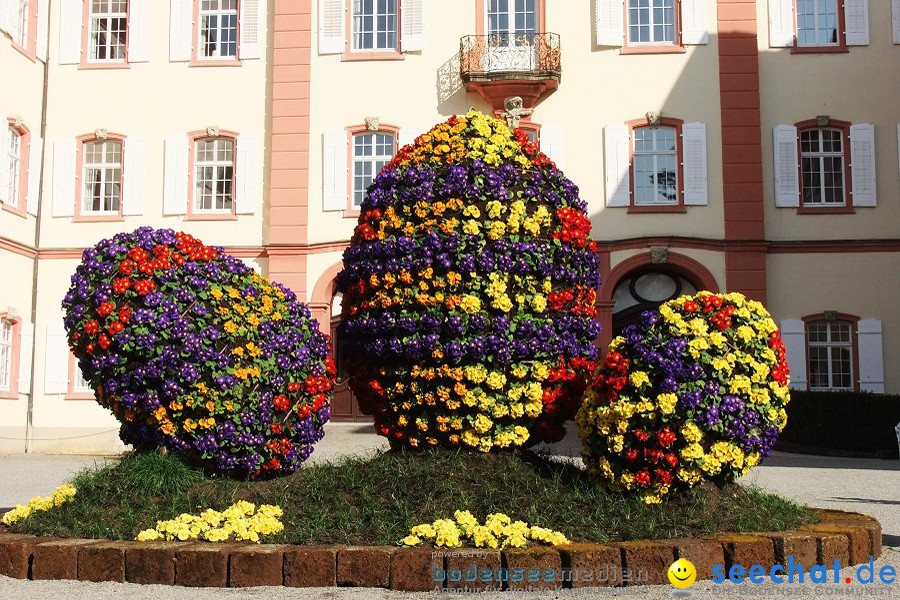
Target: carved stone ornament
(514, 111)
(101, 134)
(830, 315)
(372, 123)
(653, 117)
(212, 131)
(659, 255)
(822, 120)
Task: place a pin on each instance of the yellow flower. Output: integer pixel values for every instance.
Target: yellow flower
(667, 403)
(639, 378)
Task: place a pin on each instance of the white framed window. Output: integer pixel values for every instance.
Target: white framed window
(102, 176)
(512, 22)
(19, 12)
(830, 351)
(371, 152)
(6, 354)
(655, 166)
(13, 166)
(375, 25)
(80, 385)
(218, 35)
(817, 23)
(214, 175)
(107, 40)
(822, 167)
(651, 22)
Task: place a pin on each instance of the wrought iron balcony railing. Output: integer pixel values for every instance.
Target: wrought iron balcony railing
(506, 56)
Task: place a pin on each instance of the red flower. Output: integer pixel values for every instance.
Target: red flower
(116, 327)
(105, 308)
(126, 267)
(281, 403)
(303, 412)
(120, 285)
(671, 459)
(664, 476)
(642, 478)
(691, 306)
(91, 327)
(641, 435)
(104, 341)
(138, 254)
(276, 427)
(293, 387)
(665, 437)
(319, 402)
(631, 454)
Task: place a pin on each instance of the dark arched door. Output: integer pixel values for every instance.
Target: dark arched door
(645, 289)
(344, 406)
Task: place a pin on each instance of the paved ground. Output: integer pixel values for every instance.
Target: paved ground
(861, 485)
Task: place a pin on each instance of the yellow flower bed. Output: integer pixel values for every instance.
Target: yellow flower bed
(241, 521)
(498, 531)
(61, 495)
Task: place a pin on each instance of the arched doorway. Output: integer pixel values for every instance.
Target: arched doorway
(344, 406)
(645, 289)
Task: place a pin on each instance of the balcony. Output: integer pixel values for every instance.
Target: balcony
(500, 65)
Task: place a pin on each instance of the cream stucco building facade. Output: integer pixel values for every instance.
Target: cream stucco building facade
(720, 144)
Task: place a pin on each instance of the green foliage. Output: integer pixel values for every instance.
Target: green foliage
(376, 499)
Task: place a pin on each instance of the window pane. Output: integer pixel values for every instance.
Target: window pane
(371, 152)
(214, 186)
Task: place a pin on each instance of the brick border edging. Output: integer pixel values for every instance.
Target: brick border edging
(849, 537)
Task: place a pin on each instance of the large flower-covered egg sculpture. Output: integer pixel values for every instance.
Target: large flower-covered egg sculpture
(469, 290)
(194, 352)
(694, 392)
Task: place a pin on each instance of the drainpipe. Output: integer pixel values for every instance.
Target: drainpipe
(29, 418)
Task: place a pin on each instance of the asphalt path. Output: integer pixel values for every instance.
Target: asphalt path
(859, 485)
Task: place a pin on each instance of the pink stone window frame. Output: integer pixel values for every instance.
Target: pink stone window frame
(89, 216)
(193, 214)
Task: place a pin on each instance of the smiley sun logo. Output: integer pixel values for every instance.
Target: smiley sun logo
(682, 573)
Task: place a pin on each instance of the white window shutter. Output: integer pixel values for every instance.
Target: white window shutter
(871, 356)
(35, 158)
(64, 178)
(693, 141)
(862, 164)
(552, 144)
(693, 22)
(787, 182)
(610, 23)
(331, 26)
(139, 31)
(412, 16)
(898, 143)
(408, 135)
(793, 334)
(181, 30)
(251, 32)
(4, 161)
(4, 15)
(616, 145)
(70, 27)
(334, 163)
(26, 343)
(43, 30)
(134, 176)
(56, 369)
(856, 18)
(895, 8)
(781, 23)
(245, 186)
(175, 193)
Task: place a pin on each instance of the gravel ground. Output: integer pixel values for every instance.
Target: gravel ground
(860, 485)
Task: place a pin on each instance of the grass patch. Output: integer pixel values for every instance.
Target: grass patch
(376, 499)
